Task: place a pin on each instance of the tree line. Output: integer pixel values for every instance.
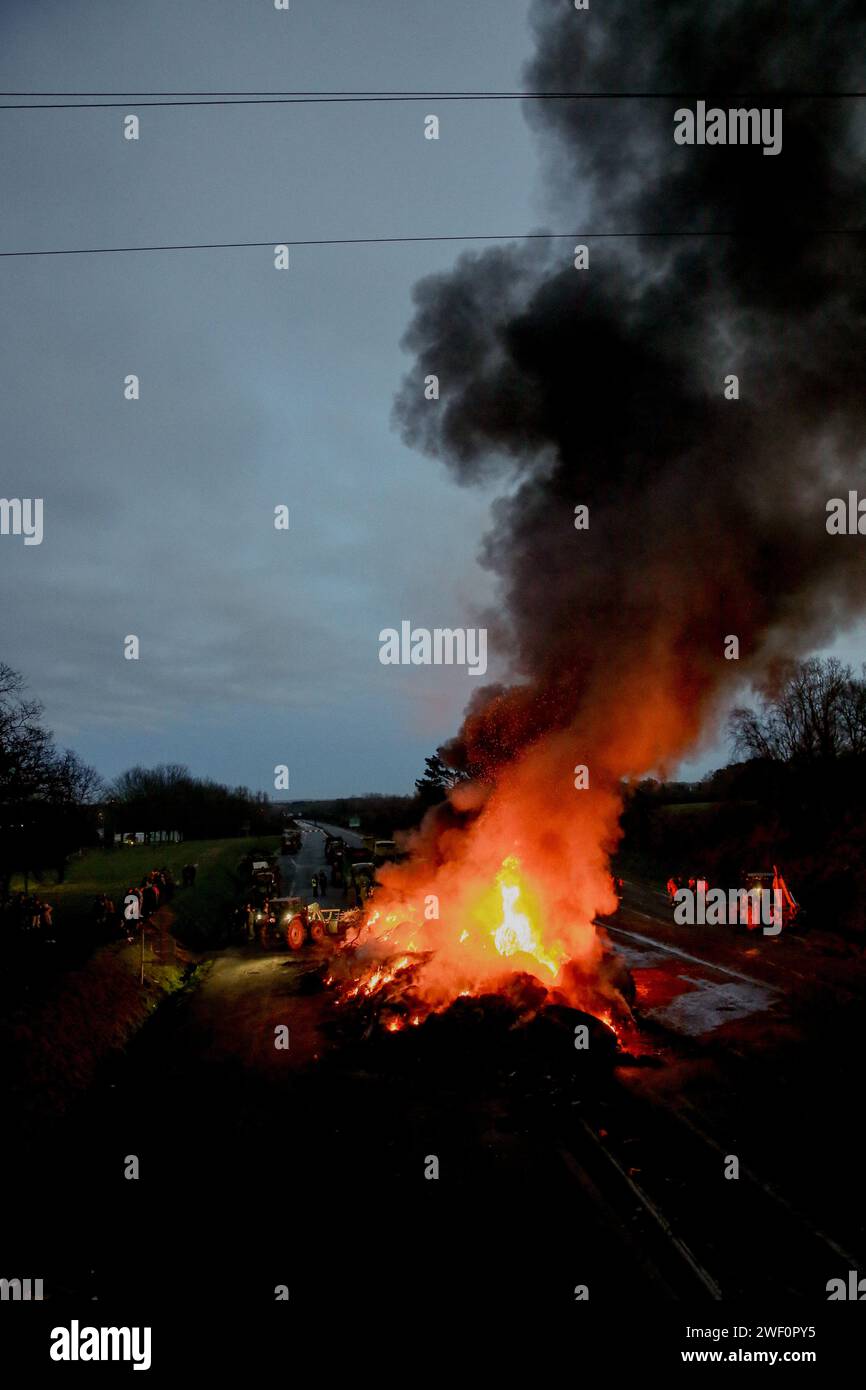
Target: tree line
(52, 803)
(169, 797)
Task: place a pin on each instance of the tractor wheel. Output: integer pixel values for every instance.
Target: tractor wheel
(295, 934)
(317, 930)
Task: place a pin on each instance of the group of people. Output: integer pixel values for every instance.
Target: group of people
(251, 922)
(156, 888)
(27, 913)
(678, 881)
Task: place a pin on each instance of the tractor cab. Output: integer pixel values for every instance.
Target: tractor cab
(757, 885)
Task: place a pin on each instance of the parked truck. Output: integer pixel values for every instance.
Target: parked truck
(385, 851)
(334, 848)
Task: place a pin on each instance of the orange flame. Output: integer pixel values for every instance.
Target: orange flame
(507, 881)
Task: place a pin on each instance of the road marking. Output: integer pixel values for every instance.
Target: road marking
(649, 1206)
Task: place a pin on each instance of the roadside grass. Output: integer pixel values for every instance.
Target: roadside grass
(112, 871)
(203, 914)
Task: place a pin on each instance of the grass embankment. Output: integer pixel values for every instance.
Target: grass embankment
(59, 1027)
(53, 1047)
(203, 913)
(198, 912)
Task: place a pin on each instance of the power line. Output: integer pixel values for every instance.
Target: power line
(414, 92)
(393, 240)
(287, 98)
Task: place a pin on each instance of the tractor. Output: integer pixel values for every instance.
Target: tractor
(756, 884)
(295, 922)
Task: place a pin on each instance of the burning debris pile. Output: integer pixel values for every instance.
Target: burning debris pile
(601, 390)
(409, 963)
(488, 993)
(517, 1026)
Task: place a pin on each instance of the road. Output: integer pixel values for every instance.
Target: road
(350, 836)
(750, 1032)
(306, 1164)
(695, 980)
(297, 870)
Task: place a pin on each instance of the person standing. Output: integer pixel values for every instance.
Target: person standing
(151, 899)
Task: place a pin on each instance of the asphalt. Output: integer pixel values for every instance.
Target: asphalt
(297, 870)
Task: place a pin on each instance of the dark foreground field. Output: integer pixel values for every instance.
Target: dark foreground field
(306, 1168)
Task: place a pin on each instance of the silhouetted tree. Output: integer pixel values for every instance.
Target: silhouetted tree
(817, 711)
(437, 781)
(169, 797)
(44, 792)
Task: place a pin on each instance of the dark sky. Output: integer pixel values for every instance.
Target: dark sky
(257, 647)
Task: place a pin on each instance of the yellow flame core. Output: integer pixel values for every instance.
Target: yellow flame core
(516, 932)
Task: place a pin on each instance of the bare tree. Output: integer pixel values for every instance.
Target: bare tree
(41, 788)
(817, 711)
(139, 783)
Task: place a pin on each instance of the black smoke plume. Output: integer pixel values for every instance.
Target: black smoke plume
(604, 386)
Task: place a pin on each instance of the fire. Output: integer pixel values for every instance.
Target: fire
(500, 923)
(517, 933)
(505, 879)
(416, 965)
